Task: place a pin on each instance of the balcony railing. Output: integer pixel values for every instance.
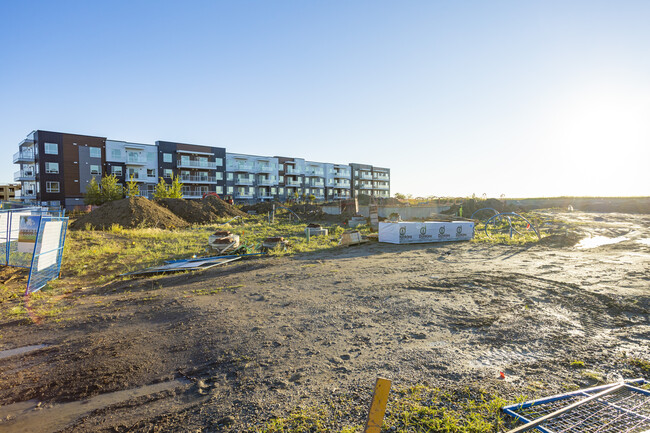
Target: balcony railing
(193, 192)
(28, 194)
(265, 167)
(319, 173)
(291, 170)
(341, 184)
(244, 195)
(135, 160)
(199, 179)
(317, 184)
(265, 181)
(240, 167)
(381, 186)
(381, 176)
(293, 183)
(363, 175)
(195, 163)
(341, 173)
(243, 181)
(24, 175)
(24, 156)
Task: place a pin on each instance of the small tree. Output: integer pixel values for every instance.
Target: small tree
(132, 188)
(111, 190)
(311, 198)
(400, 196)
(176, 188)
(295, 196)
(161, 190)
(93, 193)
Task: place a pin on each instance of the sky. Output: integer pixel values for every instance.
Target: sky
(514, 98)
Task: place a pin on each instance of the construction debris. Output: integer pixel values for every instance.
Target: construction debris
(315, 230)
(617, 407)
(357, 220)
(223, 241)
(352, 237)
(185, 265)
(274, 242)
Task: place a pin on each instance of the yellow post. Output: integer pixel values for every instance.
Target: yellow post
(378, 406)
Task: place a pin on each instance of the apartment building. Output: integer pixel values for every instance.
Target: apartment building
(251, 178)
(201, 169)
(133, 161)
(55, 169)
(369, 180)
(9, 191)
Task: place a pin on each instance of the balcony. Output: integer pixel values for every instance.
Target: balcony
(381, 186)
(365, 175)
(243, 180)
(365, 186)
(345, 174)
(320, 184)
(265, 168)
(199, 179)
(380, 176)
(264, 193)
(240, 166)
(21, 175)
(196, 163)
(26, 142)
(293, 183)
(341, 184)
(245, 195)
(266, 181)
(135, 160)
(28, 194)
(24, 156)
(291, 170)
(194, 192)
(315, 173)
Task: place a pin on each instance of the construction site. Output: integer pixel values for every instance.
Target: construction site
(203, 316)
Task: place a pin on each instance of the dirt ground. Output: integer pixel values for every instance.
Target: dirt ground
(232, 347)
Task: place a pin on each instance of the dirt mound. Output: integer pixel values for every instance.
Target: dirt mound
(191, 211)
(129, 213)
(206, 211)
(221, 208)
(258, 208)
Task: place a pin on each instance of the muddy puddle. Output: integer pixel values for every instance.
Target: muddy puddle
(599, 241)
(21, 350)
(31, 416)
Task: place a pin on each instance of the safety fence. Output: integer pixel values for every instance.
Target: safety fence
(33, 237)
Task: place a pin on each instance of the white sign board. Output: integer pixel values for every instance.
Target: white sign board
(422, 232)
(49, 245)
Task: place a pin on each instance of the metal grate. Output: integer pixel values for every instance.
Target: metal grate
(624, 408)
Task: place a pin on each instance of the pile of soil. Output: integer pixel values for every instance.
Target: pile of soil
(208, 210)
(258, 208)
(129, 213)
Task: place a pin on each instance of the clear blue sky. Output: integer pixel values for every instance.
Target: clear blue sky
(520, 98)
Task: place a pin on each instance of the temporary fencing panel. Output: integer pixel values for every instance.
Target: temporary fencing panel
(48, 252)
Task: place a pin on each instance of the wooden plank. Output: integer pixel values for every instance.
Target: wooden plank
(378, 406)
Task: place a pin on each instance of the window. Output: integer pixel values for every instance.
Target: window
(229, 190)
(51, 148)
(281, 167)
(116, 154)
(117, 170)
(219, 175)
(95, 152)
(167, 157)
(151, 172)
(52, 167)
(229, 176)
(273, 190)
(168, 172)
(219, 161)
(52, 186)
(281, 178)
(219, 190)
(281, 190)
(94, 169)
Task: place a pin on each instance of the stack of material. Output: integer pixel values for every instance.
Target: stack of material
(351, 237)
(357, 220)
(222, 241)
(315, 230)
(274, 242)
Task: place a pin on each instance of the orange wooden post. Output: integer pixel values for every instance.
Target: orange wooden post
(378, 406)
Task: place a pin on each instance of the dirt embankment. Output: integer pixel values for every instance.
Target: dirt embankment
(206, 211)
(133, 212)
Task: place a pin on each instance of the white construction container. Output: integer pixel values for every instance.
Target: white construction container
(406, 232)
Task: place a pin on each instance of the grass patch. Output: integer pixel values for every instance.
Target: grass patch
(641, 363)
(415, 409)
(577, 364)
